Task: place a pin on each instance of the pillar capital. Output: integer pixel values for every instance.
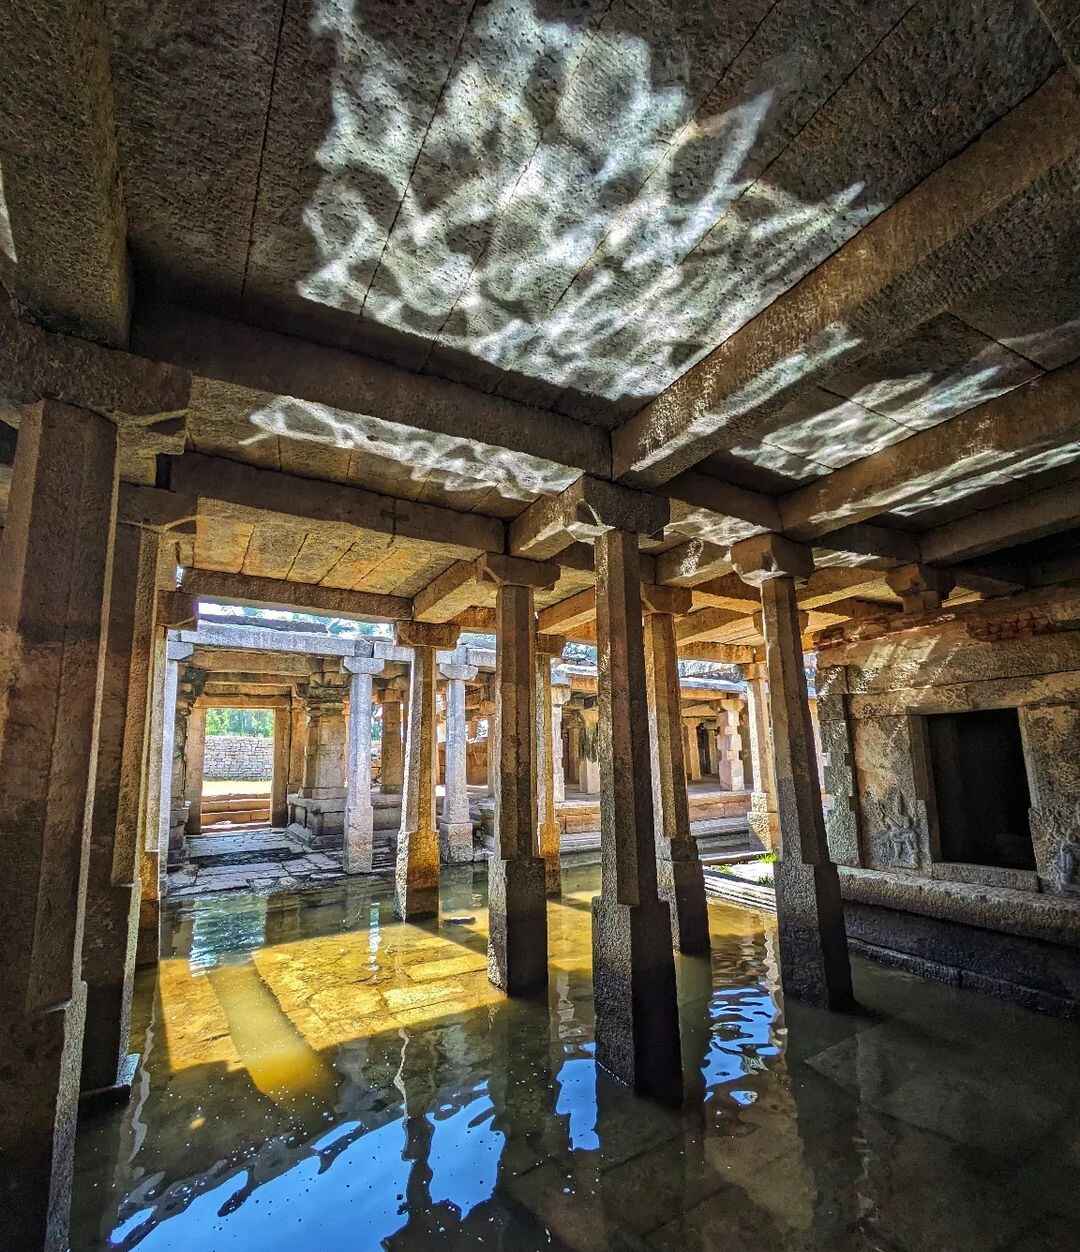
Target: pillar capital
(560, 694)
(764, 557)
(921, 588)
(176, 608)
(363, 664)
(587, 509)
(426, 635)
(512, 571)
(550, 645)
(672, 600)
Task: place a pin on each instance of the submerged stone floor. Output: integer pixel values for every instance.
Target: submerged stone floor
(317, 1075)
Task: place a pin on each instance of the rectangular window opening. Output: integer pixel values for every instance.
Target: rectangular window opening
(981, 787)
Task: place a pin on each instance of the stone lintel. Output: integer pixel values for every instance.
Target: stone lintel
(36, 364)
(476, 618)
(140, 505)
(426, 635)
(763, 557)
(921, 588)
(362, 664)
(673, 600)
(584, 511)
(456, 670)
(448, 594)
(259, 592)
(175, 608)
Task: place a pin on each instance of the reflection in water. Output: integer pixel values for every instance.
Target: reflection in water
(330, 1078)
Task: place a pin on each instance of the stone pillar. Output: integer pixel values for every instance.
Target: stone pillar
(112, 896)
(150, 809)
(359, 814)
(391, 770)
(637, 1020)
(573, 746)
(297, 742)
(195, 755)
(589, 769)
(763, 818)
(487, 709)
(744, 739)
(417, 874)
(55, 554)
(318, 810)
(517, 911)
(456, 828)
(693, 749)
(174, 718)
(814, 961)
(731, 765)
(279, 784)
(560, 695)
(549, 833)
(712, 750)
(681, 882)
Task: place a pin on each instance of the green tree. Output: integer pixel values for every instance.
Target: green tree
(240, 722)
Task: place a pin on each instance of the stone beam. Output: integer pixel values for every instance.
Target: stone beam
(217, 482)
(230, 661)
(370, 400)
(721, 653)
(570, 613)
(1013, 427)
(707, 623)
(37, 364)
(870, 546)
(691, 563)
(450, 593)
(585, 510)
(140, 505)
(67, 264)
(1044, 513)
(955, 231)
(709, 508)
(272, 593)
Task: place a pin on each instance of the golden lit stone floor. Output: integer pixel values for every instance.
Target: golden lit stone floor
(318, 1076)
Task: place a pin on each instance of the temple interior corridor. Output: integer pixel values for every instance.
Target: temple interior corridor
(318, 1074)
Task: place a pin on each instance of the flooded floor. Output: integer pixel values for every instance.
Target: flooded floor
(318, 1076)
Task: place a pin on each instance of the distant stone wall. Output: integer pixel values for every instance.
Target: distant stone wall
(238, 757)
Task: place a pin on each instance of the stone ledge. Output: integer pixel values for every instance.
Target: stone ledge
(1033, 915)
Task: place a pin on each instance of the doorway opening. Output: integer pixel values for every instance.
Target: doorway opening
(981, 786)
(238, 769)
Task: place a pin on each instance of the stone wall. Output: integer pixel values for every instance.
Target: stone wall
(874, 698)
(239, 757)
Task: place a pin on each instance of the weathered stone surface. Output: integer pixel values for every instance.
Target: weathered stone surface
(517, 937)
(112, 900)
(417, 874)
(680, 880)
(66, 262)
(456, 828)
(56, 551)
(813, 951)
(585, 510)
(271, 593)
(637, 1024)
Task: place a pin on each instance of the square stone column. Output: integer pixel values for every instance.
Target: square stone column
(517, 880)
(150, 808)
(359, 814)
(814, 963)
(681, 882)
(297, 742)
(392, 765)
(637, 1019)
(589, 768)
(172, 748)
(456, 828)
(56, 557)
(731, 764)
(763, 817)
(317, 811)
(549, 832)
(279, 781)
(560, 696)
(195, 754)
(417, 875)
(693, 749)
(112, 894)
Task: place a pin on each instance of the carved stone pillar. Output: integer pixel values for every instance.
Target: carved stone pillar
(391, 771)
(456, 828)
(560, 696)
(681, 882)
(279, 780)
(589, 768)
(731, 764)
(814, 961)
(359, 814)
(517, 908)
(549, 831)
(194, 758)
(693, 749)
(55, 554)
(763, 818)
(637, 1021)
(417, 875)
(317, 812)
